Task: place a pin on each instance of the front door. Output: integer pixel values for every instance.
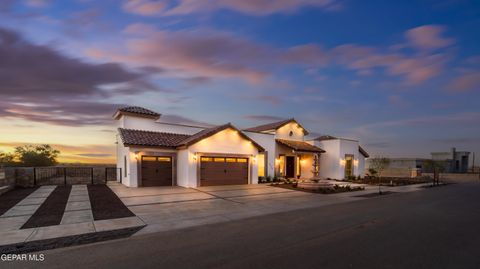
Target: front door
(290, 169)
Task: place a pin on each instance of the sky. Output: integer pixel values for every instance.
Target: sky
(402, 77)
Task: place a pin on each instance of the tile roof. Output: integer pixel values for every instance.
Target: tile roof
(363, 152)
(129, 110)
(149, 138)
(273, 126)
(300, 145)
(171, 140)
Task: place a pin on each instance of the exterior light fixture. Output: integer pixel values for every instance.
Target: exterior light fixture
(342, 162)
(195, 156)
(355, 162)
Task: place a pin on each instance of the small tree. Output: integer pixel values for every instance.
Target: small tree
(436, 167)
(40, 155)
(377, 165)
(6, 159)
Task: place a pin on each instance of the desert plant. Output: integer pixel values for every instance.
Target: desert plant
(378, 164)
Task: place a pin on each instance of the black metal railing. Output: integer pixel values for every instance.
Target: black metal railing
(75, 175)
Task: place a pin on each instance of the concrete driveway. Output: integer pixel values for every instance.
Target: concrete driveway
(169, 208)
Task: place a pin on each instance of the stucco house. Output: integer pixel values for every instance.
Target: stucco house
(152, 152)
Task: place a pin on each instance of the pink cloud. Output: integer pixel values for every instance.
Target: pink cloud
(466, 82)
(144, 7)
(428, 37)
(202, 53)
(252, 7)
(37, 3)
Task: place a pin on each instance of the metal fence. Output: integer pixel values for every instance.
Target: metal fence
(75, 175)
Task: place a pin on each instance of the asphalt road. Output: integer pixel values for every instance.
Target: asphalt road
(434, 228)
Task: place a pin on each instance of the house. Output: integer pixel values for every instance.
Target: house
(453, 161)
(153, 152)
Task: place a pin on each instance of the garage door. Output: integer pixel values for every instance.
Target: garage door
(223, 171)
(156, 171)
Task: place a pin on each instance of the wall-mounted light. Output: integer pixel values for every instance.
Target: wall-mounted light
(136, 155)
(254, 159)
(355, 162)
(342, 162)
(195, 157)
(302, 161)
(277, 161)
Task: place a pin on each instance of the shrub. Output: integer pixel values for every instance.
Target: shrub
(261, 180)
(269, 179)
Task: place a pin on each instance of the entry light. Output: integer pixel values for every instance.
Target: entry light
(342, 162)
(195, 156)
(355, 162)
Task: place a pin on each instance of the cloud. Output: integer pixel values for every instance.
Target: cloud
(144, 7)
(428, 37)
(200, 52)
(263, 118)
(195, 53)
(37, 3)
(250, 7)
(40, 84)
(416, 68)
(467, 81)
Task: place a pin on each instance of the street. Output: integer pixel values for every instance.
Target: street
(432, 228)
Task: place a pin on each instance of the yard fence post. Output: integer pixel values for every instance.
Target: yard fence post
(120, 176)
(34, 176)
(106, 173)
(65, 176)
(91, 174)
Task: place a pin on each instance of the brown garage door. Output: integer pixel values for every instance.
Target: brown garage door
(156, 171)
(223, 171)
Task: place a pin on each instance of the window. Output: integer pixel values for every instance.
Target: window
(281, 165)
(241, 160)
(149, 158)
(231, 160)
(261, 165)
(299, 169)
(164, 159)
(125, 165)
(219, 160)
(348, 165)
(206, 159)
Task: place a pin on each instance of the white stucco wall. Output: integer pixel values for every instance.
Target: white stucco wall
(330, 160)
(267, 141)
(225, 142)
(284, 132)
(336, 149)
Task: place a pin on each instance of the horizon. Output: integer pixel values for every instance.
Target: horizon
(404, 86)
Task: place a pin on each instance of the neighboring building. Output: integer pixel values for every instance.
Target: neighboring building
(155, 153)
(454, 161)
(405, 167)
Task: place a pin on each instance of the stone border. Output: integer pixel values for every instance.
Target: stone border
(68, 241)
